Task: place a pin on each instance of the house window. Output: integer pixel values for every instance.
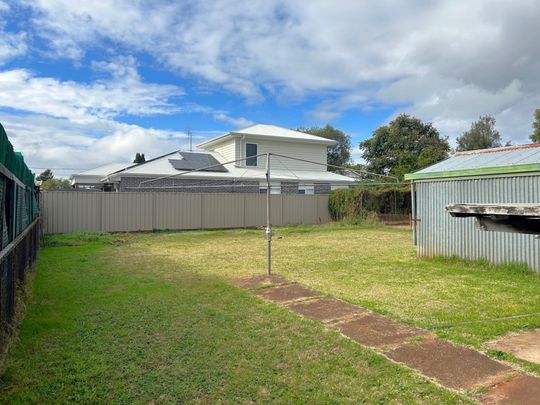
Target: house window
(251, 150)
(275, 187)
(306, 189)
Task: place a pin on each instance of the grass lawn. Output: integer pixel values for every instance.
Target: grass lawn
(152, 317)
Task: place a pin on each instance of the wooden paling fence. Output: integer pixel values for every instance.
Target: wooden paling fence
(72, 211)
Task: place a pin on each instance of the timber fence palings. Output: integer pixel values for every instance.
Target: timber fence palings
(72, 211)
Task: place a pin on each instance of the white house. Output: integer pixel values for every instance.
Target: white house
(172, 172)
(91, 179)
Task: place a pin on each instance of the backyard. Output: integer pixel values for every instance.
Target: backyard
(153, 317)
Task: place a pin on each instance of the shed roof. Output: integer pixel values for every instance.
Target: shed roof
(481, 162)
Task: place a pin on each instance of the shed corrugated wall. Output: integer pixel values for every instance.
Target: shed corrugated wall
(441, 234)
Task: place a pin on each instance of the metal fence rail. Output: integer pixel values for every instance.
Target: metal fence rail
(15, 259)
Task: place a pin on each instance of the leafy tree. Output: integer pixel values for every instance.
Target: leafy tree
(55, 184)
(403, 146)
(45, 175)
(482, 135)
(338, 154)
(139, 158)
(535, 136)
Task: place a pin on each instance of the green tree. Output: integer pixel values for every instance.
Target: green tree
(139, 158)
(403, 146)
(45, 175)
(482, 135)
(56, 184)
(338, 154)
(535, 136)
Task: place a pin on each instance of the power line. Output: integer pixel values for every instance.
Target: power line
(356, 171)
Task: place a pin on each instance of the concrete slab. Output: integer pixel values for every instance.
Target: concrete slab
(525, 345)
(522, 390)
(286, 293)
(454, 366)
(325, 309)
(377, 331)
(260, 281)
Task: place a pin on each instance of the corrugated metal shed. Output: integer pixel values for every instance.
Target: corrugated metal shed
(506, 160)
(491, 176)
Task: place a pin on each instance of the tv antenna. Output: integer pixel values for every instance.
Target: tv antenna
(190, 135)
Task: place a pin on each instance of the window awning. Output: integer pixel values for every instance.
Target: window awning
(519, 218)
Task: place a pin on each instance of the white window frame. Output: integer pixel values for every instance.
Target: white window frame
(275, 187)
(309, 189)
(246, 156)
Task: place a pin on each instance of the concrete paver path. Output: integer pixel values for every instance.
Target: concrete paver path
(455, 367)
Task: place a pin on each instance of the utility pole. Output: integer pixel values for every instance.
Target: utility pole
(268, 222)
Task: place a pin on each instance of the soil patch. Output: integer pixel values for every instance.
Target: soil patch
(261, 281)
(286, 293)
(525, 345)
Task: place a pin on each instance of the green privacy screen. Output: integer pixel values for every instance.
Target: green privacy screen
(14, 161)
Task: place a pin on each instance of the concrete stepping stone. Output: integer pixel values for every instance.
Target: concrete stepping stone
(522, 390)
(260, 281)
(525, 345)
(286, 293)
(454, 366)
(325, 309)
(378, 331)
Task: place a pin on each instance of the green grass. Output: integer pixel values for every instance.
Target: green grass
(375, 267)
(151, 318)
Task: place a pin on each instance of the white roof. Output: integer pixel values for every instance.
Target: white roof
(94, 176)
(272, 132)
(104, 170)
(161, 167)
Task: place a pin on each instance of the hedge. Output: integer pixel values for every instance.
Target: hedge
(365, 202)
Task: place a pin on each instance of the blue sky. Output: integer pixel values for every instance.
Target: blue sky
(88, 83)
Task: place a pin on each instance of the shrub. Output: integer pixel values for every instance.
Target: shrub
(364, 203)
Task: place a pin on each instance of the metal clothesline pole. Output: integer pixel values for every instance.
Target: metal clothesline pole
(268, 188)
(268, 218)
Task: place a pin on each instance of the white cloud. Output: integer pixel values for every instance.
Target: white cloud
(446, 61)
(70, 126)
(453, 59)
(237, 122)
(123, 93)
(68, 147)
(12, 44)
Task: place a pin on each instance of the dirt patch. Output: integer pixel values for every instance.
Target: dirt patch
(286, 293)
(325, 309)
(454, 366)
(378, 331)
(525, 345)
(522, 390)
(261, 281)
